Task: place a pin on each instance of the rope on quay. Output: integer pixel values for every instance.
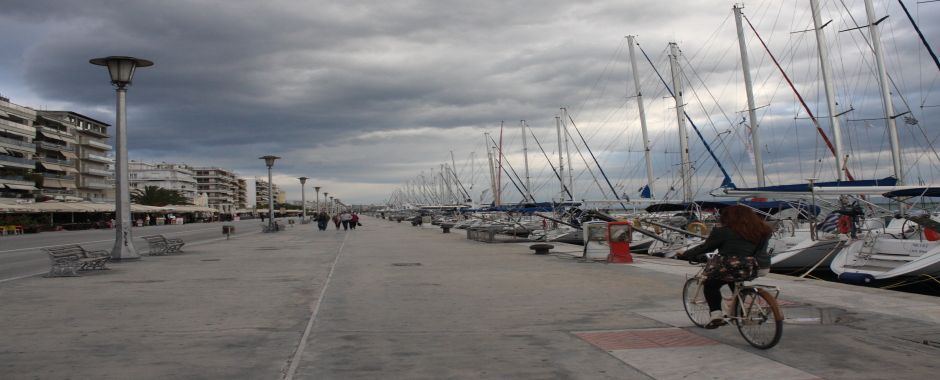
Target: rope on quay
(907, 282)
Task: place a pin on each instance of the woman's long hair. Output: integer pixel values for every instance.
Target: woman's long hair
(745, 223)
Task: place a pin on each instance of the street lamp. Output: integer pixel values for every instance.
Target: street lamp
(303, 199)
(317, 188)
(122, 72)
(269, 161)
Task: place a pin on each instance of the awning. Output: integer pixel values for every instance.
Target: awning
(69, 169)
(20, 187)
(4, 114)
(51, 183)
(51, 135)
(51, 166)
(3, 150)
(67, 185)
(69, 155)
(68, 140)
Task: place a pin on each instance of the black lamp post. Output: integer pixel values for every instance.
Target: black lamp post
(122, 72)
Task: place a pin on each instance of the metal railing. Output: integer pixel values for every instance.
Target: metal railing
(96, 144)
(100, 172)
(56, 131)
(55, 161)
(25, 128)
(97, 157)
(49, 145)
(58, 176)
(17, 142)
(18, 160)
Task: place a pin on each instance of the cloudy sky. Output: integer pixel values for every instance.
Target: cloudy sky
(365, 96)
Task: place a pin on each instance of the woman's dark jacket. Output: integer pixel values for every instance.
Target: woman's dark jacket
(730, 244)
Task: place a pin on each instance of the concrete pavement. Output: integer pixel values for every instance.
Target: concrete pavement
(392, 301)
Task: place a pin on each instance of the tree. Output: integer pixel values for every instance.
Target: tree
(158, 196)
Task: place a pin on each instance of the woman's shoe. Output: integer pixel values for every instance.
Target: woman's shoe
(717, 320)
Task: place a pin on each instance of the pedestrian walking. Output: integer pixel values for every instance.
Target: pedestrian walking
(336, 220)
(353, 220)
(322, 219)
(345, 218)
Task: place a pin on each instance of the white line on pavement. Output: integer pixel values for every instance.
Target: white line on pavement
(295, 362)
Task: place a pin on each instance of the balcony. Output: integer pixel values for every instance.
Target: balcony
(48, 145)
(55, 131)
(97, 158)
(95, 144)
(55, 161)
(18, 143)
(98, 172)
(96, 185)
(18, 162)
(58, 176)
(17, 128)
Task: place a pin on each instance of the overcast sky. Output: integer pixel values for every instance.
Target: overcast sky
(362, 96)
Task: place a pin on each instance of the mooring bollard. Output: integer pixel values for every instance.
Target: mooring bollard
(446, 230)
(227, 230)
(541, 249)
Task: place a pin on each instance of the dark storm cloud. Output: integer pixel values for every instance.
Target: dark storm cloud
(376, 91)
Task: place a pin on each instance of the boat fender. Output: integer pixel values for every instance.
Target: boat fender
(856, 278)
(931, 235)
(844, 224)
(699, 228)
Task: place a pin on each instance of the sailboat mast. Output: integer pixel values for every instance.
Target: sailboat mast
(828, 83)
(643, 128)
(458, 196)
(525, 154)
(749, 89)
(564, 125)
(885, 92)
(686, 165)
(561, 159)
(499, 170)
(489, 153)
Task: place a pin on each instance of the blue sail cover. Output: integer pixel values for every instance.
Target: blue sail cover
(646, 192)
(768, 207)
(887, 181)
(921, 192)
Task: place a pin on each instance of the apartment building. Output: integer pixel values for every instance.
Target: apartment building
(178, 177)
(242, 201)
(55, 157)
(220, 186)
(261, 194)
(17, 151)
(92, 172)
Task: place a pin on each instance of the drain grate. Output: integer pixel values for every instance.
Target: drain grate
(406, 264)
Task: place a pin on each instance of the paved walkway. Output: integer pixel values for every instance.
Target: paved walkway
(392, 301)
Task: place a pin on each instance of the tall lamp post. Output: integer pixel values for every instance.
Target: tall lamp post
(303, 199)
(269, 161)
(327, 205)
(332, 205)
(122, 71)
(317, 188)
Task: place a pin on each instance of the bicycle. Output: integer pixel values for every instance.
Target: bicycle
(751, 308)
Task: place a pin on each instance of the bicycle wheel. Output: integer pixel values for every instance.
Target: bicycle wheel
(694, 302)
(758, 318)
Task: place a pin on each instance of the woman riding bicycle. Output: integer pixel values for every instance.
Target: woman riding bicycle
(741, 242)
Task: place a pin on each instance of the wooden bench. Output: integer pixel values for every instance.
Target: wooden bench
(160, 245)
(69, 259)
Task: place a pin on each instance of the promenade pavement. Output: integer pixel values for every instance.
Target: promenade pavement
(392, 301)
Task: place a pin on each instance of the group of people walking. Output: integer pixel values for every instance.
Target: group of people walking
(345, 219)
